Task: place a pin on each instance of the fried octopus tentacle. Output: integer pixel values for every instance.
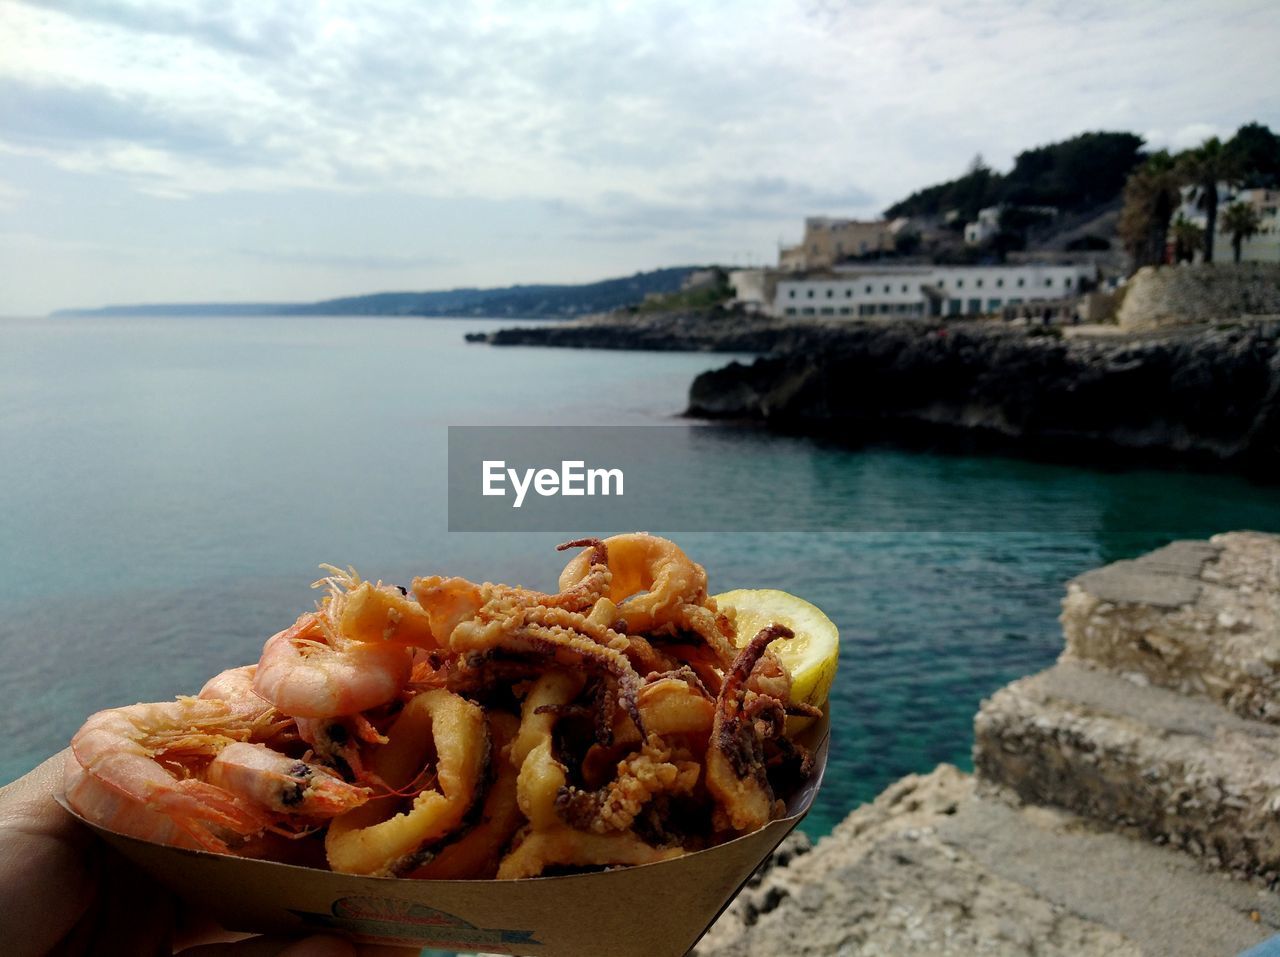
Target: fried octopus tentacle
(655, 769)
(735, 757)
(638, 651)
(607, 660)
(592, 587)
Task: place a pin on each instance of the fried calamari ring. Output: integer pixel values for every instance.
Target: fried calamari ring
(652, 578)
(475, 855)
(536, 850)
(376, 838)
(541, 776)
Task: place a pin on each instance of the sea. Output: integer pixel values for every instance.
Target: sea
(169, 487)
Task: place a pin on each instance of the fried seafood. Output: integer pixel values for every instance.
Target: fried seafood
(312, 670)
(136, 770)
(469, 730)
(377, 838)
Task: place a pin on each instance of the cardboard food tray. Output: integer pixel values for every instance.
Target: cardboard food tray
(649, 910)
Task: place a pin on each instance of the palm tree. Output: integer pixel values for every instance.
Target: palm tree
(1204, 167)
(1150, 197)
(1187, 238)
(1242, 221)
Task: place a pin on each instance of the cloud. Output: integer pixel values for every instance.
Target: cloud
(261, 31)
(351, 262)
(58, 117)
(664, 128)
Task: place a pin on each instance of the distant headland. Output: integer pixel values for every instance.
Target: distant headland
(542, 301)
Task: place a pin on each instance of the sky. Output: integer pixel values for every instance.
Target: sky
(241, 150)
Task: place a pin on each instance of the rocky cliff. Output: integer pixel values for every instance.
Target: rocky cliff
(1119, 806)
(1211, 394)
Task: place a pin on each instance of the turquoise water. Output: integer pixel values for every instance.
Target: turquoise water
(168, 487)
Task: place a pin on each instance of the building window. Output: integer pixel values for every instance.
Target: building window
(848, 293)
(810, 293)
(830, 293)
(1048, 282)
(993, 305)
(868, 290)
(886, 287)
(845, 310)
(791, 310)
(942, 284)
(1066, 283)
(953, 307)
(999, 283)
(978, 283)
(1021, 282)
(884, 308)
(827, 311)
(904, 287)
(791, 293)
(866, 309)
(959, 283)
(807, 311)
(975, 306)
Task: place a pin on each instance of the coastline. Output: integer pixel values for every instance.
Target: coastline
(1205, 395)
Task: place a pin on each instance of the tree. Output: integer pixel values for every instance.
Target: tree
(1150, 197)
(1204, 167)
(1255, 153)
(1187, 238)
(1241, 221)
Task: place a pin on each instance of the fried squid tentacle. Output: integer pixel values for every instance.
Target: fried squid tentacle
(735, 758)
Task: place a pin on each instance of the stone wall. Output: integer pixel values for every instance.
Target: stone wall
(1171, 295)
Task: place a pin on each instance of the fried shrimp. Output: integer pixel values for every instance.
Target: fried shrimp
(310, 670)
(131, 763)
(282, 785)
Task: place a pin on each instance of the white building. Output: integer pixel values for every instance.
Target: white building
(907, 291)
(984, 227)
(1263, 247)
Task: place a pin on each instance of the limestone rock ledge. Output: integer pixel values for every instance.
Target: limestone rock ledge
(1201, 618)
(1125, 801)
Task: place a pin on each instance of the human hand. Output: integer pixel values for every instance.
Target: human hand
(63, 891)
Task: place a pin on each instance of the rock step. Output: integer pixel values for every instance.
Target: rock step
(1181, 770)
(1202, 618)
(933, 866)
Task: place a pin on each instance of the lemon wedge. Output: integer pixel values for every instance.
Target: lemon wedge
(811, 656)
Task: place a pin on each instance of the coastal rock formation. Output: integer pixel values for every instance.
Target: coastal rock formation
(1201, 618)
(694, 331)
(1105, 815)
(1211, 395)
(1169, 295)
